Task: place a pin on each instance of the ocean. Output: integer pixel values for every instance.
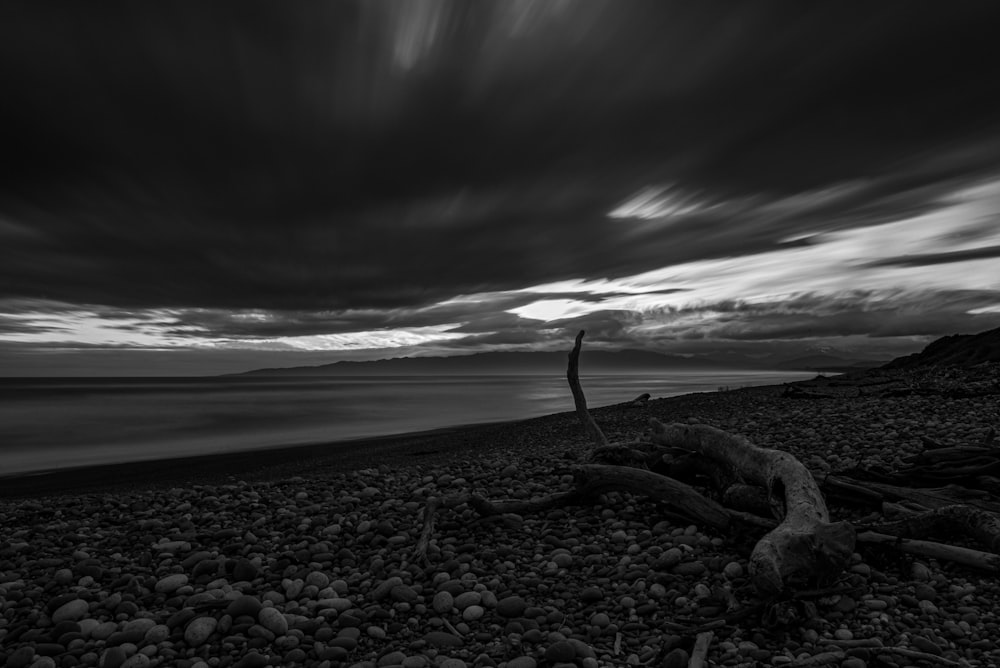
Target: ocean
(57, 423)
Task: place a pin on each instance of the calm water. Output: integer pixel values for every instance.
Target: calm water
(60, 423)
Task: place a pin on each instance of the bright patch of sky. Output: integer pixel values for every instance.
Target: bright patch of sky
(838, 262)
(659, 202)
(373, 339)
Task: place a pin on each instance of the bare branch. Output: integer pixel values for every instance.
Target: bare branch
(573, 376)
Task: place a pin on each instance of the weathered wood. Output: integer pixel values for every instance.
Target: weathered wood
(805, 544)
(933, 497)
(595, 479)
(699, 653)
(925, 548)
(962, 520)
(579, 400)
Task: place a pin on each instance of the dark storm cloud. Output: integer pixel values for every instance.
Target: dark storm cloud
(344, 155)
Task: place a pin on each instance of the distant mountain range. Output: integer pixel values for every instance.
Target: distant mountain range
(955, 350)
(592, 361)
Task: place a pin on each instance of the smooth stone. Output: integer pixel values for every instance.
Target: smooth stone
(383, 589)
(136, 661)
(171, 583)
(73, 611)
(272, 620)
(199, 630)
(442, 639)
(392, 659)
(453, 663)
(677, 658)
(925, 645)
(403, 594)
(253, 659)
(443, 602)
(473, 613)
(244, 570)
(522, 662)
(157, 634)
(511, 606)
(464, 600)
(694, 568)
(244, 605)
(112, 657)
(560, 651)
(21, 657)
(591, 595)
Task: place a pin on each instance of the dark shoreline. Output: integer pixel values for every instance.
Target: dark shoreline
(259, 464)
(433, 446)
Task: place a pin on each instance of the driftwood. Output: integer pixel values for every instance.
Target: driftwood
(801, 544)
(579, 400)
(960, 555)
(805, 544)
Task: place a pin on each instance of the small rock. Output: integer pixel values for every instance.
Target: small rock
(112, 657)
(74, 610)
(136, 661)
(560, 651)
(171, 583)
(21, 657)
(473, 613)
(253, 659)
(464, 600)
(925, 645)
(244, 570)
(924, 592)
(244, 605)
(677, 658)
(442, 639)
(511, 606)
(522, 662)
(443, 602)
(272, 620)
(199, 630)
(591, 595)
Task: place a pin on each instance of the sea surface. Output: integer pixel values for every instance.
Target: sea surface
(56, 423)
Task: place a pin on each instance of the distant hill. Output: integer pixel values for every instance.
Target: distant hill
(497, 363)
(955, 350)
(825, 363)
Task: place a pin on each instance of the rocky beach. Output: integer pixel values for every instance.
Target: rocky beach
(303, 558)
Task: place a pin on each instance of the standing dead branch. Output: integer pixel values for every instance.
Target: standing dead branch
(573, 376)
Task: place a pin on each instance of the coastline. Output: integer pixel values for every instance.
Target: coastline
(437, 445)
(299, 558)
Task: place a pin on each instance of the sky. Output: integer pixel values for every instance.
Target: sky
(192, 188)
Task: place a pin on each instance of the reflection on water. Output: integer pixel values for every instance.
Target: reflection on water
(57, 423)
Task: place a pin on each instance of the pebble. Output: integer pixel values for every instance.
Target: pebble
(71, 610)
(443, 602)
(198, 630)
(272, 620)
(171, 583)
(511, 606)
(522, 662)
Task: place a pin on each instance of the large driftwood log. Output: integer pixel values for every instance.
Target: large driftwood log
(590, 482)
(805, 544)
